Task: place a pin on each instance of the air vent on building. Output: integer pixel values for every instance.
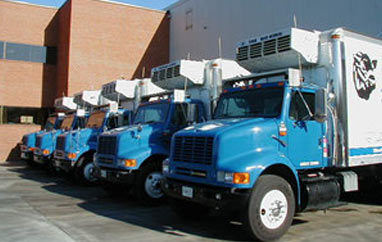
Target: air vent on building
(255, 50)
(242, 53)
(177, 71)
(269, 47)
(162, 74)
(283, 43)
(169, 73)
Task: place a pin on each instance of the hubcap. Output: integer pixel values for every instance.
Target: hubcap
(153, 185)
(88, 172)
(273, 209)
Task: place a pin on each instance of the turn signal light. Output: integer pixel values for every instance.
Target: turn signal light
(241, 178)
(32, 148)
(45, 152)
(72, 155)
(130, 162)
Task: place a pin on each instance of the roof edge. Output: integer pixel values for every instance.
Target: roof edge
(131, 5)
(30, 4)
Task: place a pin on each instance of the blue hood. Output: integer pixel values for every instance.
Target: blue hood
(48, 140)
(30, 139)
(134, 144)
(236, 138)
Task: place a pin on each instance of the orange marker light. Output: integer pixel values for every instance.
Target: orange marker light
(72, 155)
(45, 152)
(130, 162)
(241, 178)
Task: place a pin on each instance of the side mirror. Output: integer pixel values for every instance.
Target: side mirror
(191, 113)
(321, 98)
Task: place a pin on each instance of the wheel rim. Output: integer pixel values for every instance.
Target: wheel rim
(153, 185)
(88, 172)
(273, 209)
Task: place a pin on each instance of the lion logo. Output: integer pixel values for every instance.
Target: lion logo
(363, 75)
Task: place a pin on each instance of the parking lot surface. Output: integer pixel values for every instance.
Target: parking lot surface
(37, 207)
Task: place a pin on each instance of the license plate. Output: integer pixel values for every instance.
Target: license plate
(36, 158)
(57, 163)
(103, 174)
(23, 156)
(187, 192)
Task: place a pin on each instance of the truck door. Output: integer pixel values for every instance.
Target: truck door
(304, 133)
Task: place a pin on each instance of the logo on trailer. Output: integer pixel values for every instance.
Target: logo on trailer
(363, 75)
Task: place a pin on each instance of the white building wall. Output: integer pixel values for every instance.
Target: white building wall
(236, 20)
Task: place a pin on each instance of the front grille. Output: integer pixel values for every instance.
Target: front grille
(38, 141)
(191, 172)
(25, 140)
(106, 145)
(60, 145)
(193, 149)
(104, 160)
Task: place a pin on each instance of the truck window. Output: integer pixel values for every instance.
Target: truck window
(179, 118)
(151, 113)
(96, 120)
(298, 110)
(261, 102)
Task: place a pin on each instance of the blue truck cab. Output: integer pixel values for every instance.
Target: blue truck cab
(75, 148)
(131, 156)
(46, 141)
(262, 135)
(29, 140)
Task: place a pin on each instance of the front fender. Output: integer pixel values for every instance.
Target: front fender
(141, 154)
(255, 163)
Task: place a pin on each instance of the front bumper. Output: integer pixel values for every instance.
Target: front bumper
(40, 159)
(26, 155)
(63, 164)
(230, 199)
(114, 175)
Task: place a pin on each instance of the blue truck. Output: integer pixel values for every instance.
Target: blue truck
(294, 135)
(75, 149)
(131, 157)
(28, 142)
(46, 141)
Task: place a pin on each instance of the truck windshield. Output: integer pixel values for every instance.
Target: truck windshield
(152, 113)
(67, 123)
(50, 123)
(96, 120)
(262, 102)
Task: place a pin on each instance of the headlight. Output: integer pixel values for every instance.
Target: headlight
(166, 166)
(233, 177)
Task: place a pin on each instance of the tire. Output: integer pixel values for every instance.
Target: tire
(271, 208)
(83, 173)
(147, 187)
(188, 210)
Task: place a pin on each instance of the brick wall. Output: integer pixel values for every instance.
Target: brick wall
(22, 83)
(110, 40)
(11, 135)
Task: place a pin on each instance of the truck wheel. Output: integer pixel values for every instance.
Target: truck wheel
(84, 173)
(187, 210)
(270, 209)
(148, 184)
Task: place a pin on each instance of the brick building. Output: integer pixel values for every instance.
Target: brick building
(47, 52)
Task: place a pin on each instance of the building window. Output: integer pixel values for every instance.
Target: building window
(19, 115)
(189, 19)
(30, 53)
(1, 49)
